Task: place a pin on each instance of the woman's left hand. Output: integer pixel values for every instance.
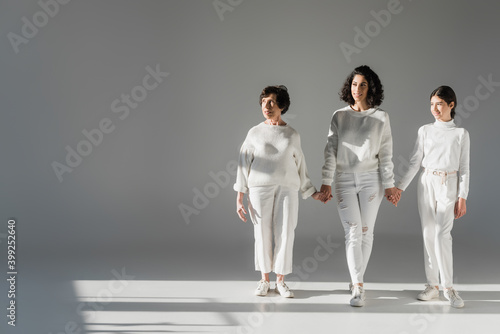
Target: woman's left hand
(460, 208)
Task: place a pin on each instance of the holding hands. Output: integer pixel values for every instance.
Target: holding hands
(317, 196)
(393, 195)
(324, 195)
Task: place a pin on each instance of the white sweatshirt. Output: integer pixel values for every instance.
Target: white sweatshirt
(359, 141)
(441, 146)
(272, 155)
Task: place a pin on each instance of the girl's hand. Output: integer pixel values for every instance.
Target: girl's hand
(460, 208)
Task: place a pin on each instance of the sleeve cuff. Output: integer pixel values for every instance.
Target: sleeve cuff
(327, 182)
(401, 186)
(308, 192)
(239, 188)
(388, 185)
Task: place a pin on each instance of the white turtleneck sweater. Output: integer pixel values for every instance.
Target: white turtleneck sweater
(359, 141)
(441, 146)
(272, 155)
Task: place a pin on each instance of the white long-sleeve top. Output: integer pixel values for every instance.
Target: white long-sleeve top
(359, 141)
(441, 146)
(272, 155)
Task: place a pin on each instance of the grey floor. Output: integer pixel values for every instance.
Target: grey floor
(212, 291)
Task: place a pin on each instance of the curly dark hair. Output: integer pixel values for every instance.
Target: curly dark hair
(282, 97)
(447, 94)
(375, 88)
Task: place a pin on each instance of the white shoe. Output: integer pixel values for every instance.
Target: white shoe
(358, 296)
(429, 293)
(455, 300)
(262, 288)
(283, 290)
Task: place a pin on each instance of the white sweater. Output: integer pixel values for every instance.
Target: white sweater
(272, 155)
(359, 141)
(441, 146)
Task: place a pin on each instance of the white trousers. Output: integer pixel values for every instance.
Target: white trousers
(358, 199)
(274, 213)
(436, 204)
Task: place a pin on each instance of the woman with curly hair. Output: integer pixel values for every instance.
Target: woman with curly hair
(358, 158)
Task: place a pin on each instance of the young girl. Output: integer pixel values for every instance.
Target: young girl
(443, 150)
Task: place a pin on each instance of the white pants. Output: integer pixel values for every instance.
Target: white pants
(358, 199)
(436, 204)
(274, 211)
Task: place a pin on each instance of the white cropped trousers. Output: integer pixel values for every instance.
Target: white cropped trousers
(436, 205)
(274, 213)
(358, 199)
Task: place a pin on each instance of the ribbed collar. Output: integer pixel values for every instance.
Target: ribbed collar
(274, 126)
(360, 113)
(445, 125)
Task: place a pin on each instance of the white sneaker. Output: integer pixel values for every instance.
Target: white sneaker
(455, 300)
(262, 288)
(283, 290)
(358, 296)
(429, 293)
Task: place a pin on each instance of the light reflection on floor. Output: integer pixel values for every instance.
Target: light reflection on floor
(231, 307)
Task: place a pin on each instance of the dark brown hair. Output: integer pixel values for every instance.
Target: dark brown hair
(375, 88)
(447, 94)
(282, 97)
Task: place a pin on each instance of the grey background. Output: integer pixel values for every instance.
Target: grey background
(120, 206)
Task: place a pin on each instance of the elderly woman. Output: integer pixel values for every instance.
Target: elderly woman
(271, 171)
(358, 159)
